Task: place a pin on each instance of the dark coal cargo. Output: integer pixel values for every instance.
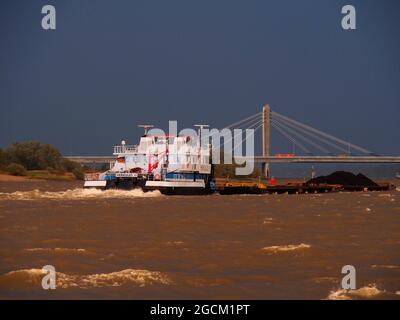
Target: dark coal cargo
(344, 178)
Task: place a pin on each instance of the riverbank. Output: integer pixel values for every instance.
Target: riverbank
(35, 175)
(10, 178)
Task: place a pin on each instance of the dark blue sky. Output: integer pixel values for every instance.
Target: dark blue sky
(111, 65)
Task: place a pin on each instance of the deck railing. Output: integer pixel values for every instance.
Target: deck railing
(125, 149)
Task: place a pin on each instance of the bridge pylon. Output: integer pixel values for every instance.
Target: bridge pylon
(266, 123)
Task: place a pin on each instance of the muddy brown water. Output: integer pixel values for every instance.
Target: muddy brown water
(130, 245)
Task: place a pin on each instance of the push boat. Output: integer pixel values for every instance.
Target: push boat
(170, 164)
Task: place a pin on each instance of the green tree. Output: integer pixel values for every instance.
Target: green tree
(2, 158)
(78, 173)
(69, 165)
(16, 169)
(34, 155)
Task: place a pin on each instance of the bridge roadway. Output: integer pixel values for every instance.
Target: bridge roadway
(328, 159)
(272, 159)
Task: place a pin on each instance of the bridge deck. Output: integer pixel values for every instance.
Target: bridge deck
(329, 159)
(273, 159)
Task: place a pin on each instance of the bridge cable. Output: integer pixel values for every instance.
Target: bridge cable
(255, 129)
(309, 141)
(287, 136)
(326, 135)
(257, 122)
(248, 124)
(314, 135)
(242, 121)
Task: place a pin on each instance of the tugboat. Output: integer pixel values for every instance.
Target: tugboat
(170, 164)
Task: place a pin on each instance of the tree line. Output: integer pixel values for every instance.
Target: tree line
(20, 157)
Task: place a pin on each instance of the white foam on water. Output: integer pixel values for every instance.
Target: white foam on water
(268, 220)
(384, 266)
(325, 279)
(78, 194)
(177, 243)
(57, 250)
(368, 292)
(287, 248)
(134, 277)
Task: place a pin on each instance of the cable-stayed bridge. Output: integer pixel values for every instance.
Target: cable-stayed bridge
(313, 145)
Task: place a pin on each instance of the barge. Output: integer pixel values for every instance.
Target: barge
(180, 165)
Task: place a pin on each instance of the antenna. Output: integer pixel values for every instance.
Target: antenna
(201, 127)
(146, 127)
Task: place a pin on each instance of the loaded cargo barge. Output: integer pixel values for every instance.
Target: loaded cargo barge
(261, 188)
(335, 182)
(237, 187)
(181, 165)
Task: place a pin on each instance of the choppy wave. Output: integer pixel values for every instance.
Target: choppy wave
(384, 266)
(57, 250)
(268, 220)
(78, 194)
(382, 195)
(177, 243)
(286, 248)
(33, 277)
(325, 279)
(368, 292)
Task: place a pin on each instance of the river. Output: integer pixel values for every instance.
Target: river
(134, 245)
